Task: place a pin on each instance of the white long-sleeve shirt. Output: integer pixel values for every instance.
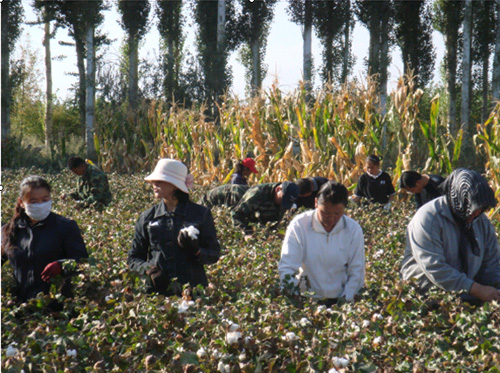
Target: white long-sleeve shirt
(334, 262)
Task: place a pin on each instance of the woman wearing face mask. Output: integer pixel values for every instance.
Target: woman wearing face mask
(38, 243)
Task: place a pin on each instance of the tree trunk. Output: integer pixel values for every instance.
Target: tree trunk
(133, 72)
(384, 58)
(486, 65)
(451, 41)
(5, 77)
(256, 73)
(466, 83)
(90, 83)
(347, 44)
(48, 77)
(495, 86)
(80, 61)
(307, 37)
(374, 49)
(221, 22)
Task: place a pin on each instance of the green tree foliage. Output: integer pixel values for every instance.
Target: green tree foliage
(217, 75)
(414, 37)
(12, 12)
(134, 21)
(333, 27)
(253, 29)
(170, 26)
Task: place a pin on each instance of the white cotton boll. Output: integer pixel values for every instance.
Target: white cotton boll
(184, 306)
(377, 341)
(242, 356)
(290, 336)
(377, 316)
(216, 354)
(223, 368)
(320, 309)
(294, 206)
(378, 254)
(304, 322)
(233, 337)
(191, 231)
(108, 297)
(333, 370)
(71, 353)
(201, 352)
(366, 323)
(11, 351)
(340, 362)
(233, 327)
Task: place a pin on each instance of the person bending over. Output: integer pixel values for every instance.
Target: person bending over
(424, 187)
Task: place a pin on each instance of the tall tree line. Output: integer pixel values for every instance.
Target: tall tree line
(471, 35)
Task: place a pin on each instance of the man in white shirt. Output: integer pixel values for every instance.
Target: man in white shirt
(323, 251)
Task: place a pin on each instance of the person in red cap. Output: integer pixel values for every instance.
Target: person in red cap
(244, 169)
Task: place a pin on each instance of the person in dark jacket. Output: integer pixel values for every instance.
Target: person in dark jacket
(451, 243)
(225, 195)
(243, 170)
(40, 244)
(375, 185)
(425, 187)
(92, 189)
(308, 189)
(176, 237)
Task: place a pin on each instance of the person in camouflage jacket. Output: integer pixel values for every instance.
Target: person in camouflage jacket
(228, 195)
(92, 189)
(264, 203)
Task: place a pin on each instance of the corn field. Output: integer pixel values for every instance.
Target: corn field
(291, 137)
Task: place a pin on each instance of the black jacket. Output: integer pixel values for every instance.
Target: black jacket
(155, 243)
(430, 191)
(54, 239)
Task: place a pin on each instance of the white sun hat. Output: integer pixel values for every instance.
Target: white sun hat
(173, 172)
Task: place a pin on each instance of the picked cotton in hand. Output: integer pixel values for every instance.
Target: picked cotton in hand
(191, 231)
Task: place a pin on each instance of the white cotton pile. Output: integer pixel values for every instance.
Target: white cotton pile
(184, 306)
(233, 337)
(290, 336)
(201, 352)
(11, 351)
(340, 362)
(191, 231)
(71, 353)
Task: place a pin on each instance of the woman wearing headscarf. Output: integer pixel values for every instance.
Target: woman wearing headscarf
(451, 244)
(176, 237)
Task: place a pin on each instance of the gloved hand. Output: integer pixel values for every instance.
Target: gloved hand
(190, 245)
(51, 270)
(160, 282)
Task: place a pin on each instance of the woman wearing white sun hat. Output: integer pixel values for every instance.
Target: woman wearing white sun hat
(176, 237)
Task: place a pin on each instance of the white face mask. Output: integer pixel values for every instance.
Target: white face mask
(38, 211)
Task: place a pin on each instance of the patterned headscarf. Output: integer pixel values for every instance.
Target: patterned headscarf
(467, 191)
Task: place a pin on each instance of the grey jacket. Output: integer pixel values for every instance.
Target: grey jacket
(432, 251)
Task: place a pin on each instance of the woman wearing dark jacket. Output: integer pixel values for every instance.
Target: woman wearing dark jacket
(38, 243)
(176, 237)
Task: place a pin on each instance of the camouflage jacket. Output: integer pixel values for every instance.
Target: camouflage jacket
(257, 206)
(92, 188)
(228, 195)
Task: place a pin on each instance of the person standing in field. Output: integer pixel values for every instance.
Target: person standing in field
(40, 244)
(424, 187)
(243, 170)
(451, 244)
(375, 185)
(323, 250)
(308, 189)
(264, 203)
(92, 189)
(175, 238)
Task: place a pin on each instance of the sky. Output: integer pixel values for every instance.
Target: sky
(283, 55)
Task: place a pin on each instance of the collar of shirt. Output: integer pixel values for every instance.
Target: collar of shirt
(25, 223)
(318, 227)
(375, 176)
(161, 210)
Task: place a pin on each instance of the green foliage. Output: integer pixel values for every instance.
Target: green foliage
(111, 325)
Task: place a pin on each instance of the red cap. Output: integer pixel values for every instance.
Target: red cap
(250, 164)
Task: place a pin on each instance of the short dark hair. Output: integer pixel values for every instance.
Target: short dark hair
(75, 162)
(409, 179)
(305, 185)
(375, 159)
(181, 196)
(333, 192)
(239, 167)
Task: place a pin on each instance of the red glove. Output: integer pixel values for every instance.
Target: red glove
(51, 270)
